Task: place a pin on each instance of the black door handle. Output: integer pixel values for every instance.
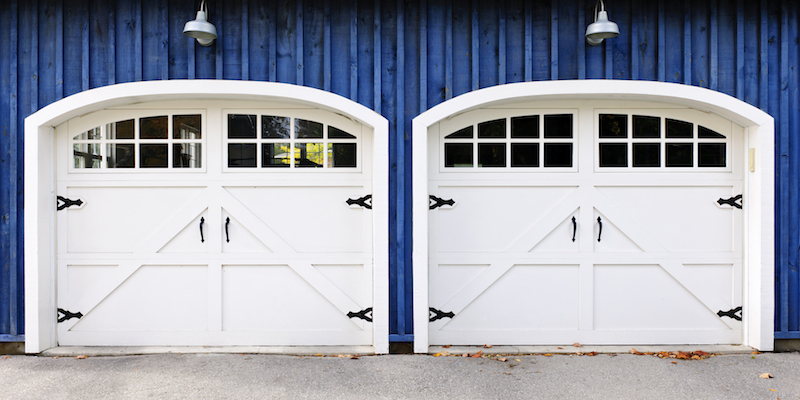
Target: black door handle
(227, 222)
(574, 228)
(202, 221)
(599, 221)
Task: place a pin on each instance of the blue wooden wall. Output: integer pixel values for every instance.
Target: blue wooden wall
(399, 58)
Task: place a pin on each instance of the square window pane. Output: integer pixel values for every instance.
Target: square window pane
(524, 154)
(120, 155)
(342, 155)
(557, 126)
(276, 155)
(679, 129)
(646, 127)
(558, 155)
(309, 155)
(241, 155)
(242, 126)
(525, 127)
(492, 129)
(458, 154)
(336, 133)
(304, 129)
(86, 155)
(187, 155)
(613, 154)
(153, 127)
(711, 154)
(465, 133)
(121, 130)
(153, 156)
(679, 154)
(273, 127)
(613, 126)
(186, 127)
(491, 154)
(647, 154)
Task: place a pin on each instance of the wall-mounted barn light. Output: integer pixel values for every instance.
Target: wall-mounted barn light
(205, 32)
(601, 28)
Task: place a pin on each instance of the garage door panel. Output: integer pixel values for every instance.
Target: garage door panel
(564, 238)
(646, 297)
(189, 239)
(309, 219)
(526, 298)
(148, 301)
(275, 298)
(237, 238)
(680, 218)
(450, 279)
(353, 280)
(488, 218)
(607, 237)
(116, 220)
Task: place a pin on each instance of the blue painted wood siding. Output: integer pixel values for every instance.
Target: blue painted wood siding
(399, 58)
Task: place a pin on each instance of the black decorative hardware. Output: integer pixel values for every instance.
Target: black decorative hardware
(599, 221)
(365, 202)
(202, 221)
(365, 314)
(731, 313)
(732, 201)
(68, 315)
(574, 228)
(439, 314)
(227, 222)
(66, 203)
(438, 202)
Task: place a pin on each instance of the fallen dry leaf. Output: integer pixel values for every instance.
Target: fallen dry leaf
(355, 357)
(592, 354)
(756, 352)
(548, 355)
(560, 348)
(502, 359)
(517, 359)
(477, 355)
(487, 346)
(81, 357)
(507, 373)
(576, 344)
(634, 351)
(465, 355)
(447, 346)
(437, 355)
(766, 375)
(773, 390)
(673, 362)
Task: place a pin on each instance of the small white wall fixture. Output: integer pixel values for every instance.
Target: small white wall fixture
(758, 180)
(40, 196)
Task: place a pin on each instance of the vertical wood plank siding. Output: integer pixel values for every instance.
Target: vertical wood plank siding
(400, 58)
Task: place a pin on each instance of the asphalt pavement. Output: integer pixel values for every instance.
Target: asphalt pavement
(260, 376)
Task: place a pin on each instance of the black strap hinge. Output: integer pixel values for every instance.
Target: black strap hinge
(437, 202)
(365, 202)
(439, 314)
(365, 314)
(735, 201)
(64, 315)
(63, 202)
(731, 313)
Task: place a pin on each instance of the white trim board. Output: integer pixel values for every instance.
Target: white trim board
(40, 202)
(759, 131)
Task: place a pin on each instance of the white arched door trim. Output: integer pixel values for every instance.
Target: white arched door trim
(758, 184)
(40, 201)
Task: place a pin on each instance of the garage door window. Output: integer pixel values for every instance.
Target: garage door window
(528, 141)
(141, 143)
(274, 141)
(641, 141)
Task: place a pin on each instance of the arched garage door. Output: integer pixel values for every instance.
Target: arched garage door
(241, 219)
(592, 219)
(585, 224)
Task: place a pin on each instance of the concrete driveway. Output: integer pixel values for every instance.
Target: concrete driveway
(558, 376)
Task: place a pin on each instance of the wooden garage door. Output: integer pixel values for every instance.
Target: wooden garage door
(590, 225)
(214, 226)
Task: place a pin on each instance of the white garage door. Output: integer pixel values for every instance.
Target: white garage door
(214, 225)
(585, 224)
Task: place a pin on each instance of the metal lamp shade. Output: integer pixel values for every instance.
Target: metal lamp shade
(601, 29)
(200, 29)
